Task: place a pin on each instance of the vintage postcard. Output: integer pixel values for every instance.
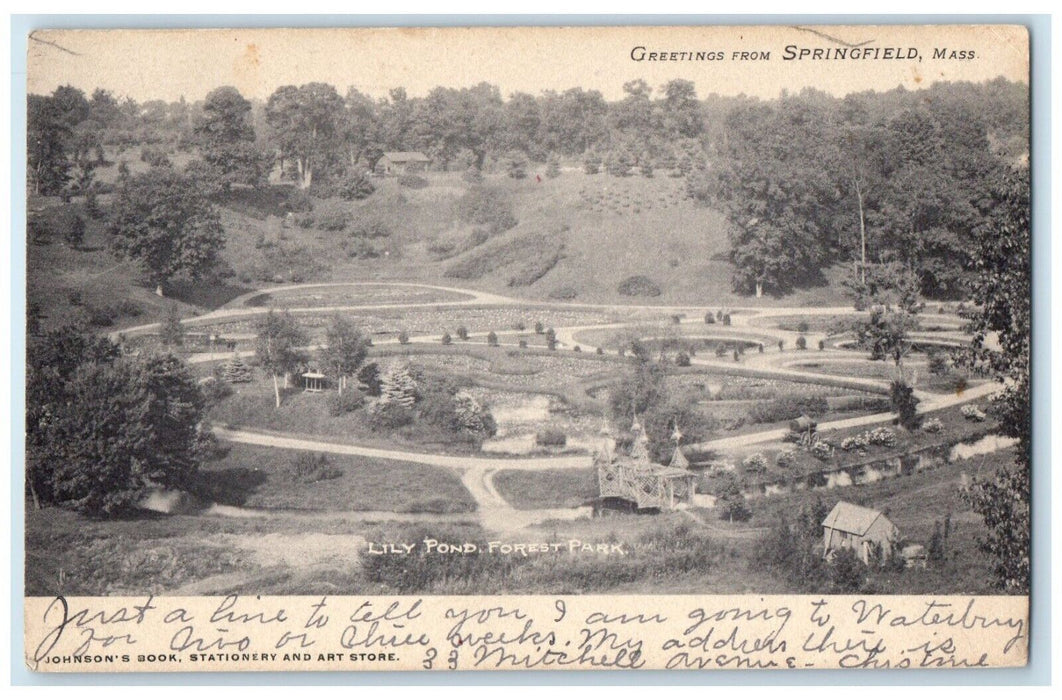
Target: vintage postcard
(524, 348)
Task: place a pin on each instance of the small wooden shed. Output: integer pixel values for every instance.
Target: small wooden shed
(849, 526)
(398, 162)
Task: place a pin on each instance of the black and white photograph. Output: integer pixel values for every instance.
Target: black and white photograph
(619, 311)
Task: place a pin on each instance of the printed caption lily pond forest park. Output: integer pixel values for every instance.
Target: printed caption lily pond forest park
(528, 347)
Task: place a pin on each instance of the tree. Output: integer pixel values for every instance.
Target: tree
(163, 220)
(935, 194)
(396, 119)
(346, 348)
(369, 377)
(634, 116)
(85, 151)
(306, 123)
(225, 136)
(71, 106)
(619, 162)
(778, 198)
(904, 404)
(46, 135)
(516, 165)
(523, 120)
(672, 420)
(1001, 264)
(847, 573)
(355, 185)
(592, 164)
(730, 500)
(236, 371)
(643, 389)
(171, 332)
(449, 120)
(104, 109)
(360, 127)
(278, 346)
(862, 156)
(400, 385)
(63, 220)
(102, 429)
(938, 363)
(891, 292)
(574, 121)
(34, 316)
(472, 417)
(681, 110)
(935, 551)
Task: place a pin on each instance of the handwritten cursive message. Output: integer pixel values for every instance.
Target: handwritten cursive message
(523, 632)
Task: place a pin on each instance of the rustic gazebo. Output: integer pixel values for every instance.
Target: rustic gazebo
(635, 479)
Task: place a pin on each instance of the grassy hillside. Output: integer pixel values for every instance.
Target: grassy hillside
(614, 228)
(87, 282)
(577, 238)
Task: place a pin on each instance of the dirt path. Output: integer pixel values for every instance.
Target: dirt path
(276, 555)
(460, 462)
(745, 533)
(930, 402)
(234, 309)
(476, 473)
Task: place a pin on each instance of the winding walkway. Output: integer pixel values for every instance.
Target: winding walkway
(477, 472)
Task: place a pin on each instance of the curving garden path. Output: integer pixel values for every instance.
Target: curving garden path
(477, 472)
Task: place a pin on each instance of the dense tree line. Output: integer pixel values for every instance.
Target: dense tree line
(871, 179)
(805, 179)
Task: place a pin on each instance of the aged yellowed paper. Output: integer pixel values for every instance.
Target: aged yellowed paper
(699, 347)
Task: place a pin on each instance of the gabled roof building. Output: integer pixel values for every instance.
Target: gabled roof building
(861, 529)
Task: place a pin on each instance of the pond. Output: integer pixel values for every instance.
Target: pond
(873, 471)
(986, 445)
(519, 417)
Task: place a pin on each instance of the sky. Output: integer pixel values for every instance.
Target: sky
(169, 64)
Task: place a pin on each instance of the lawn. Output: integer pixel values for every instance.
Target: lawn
(352, 296)
(72, 555)
(88, 283)
(662, 554)
(812, 323)
(547, 488)
(261, 477)
(252, 406)
(668, 553)
(916, 370)
(703, 339)
(289, 555)
(281, 553)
